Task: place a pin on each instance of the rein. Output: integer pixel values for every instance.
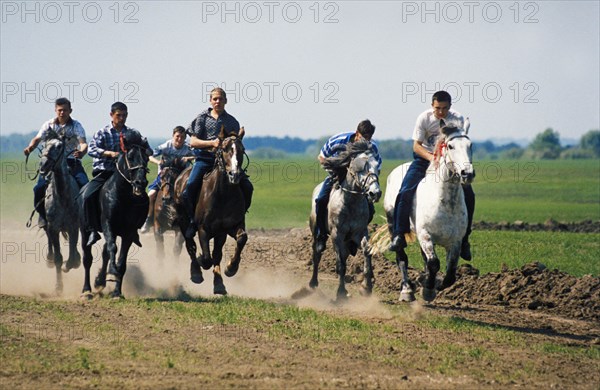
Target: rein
(439, 154)
(362, 185)
(129, 167)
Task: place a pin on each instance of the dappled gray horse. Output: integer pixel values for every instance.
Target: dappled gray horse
(348, 211)
(61, 206)
(439, 214)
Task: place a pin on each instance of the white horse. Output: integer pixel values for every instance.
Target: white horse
(439, 214)
(348, 211)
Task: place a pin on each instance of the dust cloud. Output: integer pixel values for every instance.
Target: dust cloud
(24, 271)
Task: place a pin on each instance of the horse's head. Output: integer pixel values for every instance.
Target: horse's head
(170, 169)
(362, 169)
(454, 149)
(133, 161)
(53, 152)
(230, 156)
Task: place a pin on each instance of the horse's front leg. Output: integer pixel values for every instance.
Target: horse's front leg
(241, 237)
(160, 241)
(217, 255)
(367, 284)
(316, 259)
(341, 253)
(205, 258)
(54, 246)
(432, 266)
(190, 246)
(111, 249)
(122, 266)
(179, 239)
(74, 260)
(407, 287)
(451, 264)
(86, 292)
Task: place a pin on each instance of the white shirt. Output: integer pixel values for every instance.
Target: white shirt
(72, 131)
(427, 128)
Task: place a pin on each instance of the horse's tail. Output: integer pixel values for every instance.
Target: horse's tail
(65, 235)
(410, 237)
(381, 240)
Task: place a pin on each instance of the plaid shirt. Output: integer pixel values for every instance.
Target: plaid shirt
(105, 139)
(337, 144)
(207, 128)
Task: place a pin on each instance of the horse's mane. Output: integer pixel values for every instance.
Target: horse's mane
(132, 137)
(343, 159)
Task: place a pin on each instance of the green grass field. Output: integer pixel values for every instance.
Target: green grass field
(567, 191)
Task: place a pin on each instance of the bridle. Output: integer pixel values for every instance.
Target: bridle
(220, 158)
(441, 152)
(362, 185)
(55, 161)
(130, 169)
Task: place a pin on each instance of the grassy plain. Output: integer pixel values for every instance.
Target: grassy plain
(534, 191)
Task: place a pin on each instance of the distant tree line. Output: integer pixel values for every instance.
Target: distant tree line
(545, 146)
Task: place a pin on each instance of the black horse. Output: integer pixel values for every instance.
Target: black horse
(123, 209)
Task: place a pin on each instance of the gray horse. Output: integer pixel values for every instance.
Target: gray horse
(61, 206)
(348, 211)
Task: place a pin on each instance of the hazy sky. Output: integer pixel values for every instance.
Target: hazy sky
(305, 68)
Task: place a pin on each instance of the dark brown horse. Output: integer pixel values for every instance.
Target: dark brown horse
(165, 212)
(220, 211)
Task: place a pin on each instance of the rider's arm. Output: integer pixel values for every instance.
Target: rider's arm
(154, 160)
(203, 144)
(83, 147)
(34, 142)
(421, 151)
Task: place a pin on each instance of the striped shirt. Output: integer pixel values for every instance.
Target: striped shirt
(337, 144)
(72, 131)
(105, 139)
(207, 128)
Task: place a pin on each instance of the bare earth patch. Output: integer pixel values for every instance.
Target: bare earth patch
(524, 327)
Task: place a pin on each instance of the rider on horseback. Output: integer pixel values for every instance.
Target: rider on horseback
(334, 146)
(74, 135)
(173, 148)
(104, 148)
(204, 131)
(426, 132)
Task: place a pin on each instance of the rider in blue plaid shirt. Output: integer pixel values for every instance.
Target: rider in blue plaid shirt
(104, 148)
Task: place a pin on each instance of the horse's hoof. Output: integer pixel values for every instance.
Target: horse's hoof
(86, 296)
(429, 294)
(342, 296)
(197, 278)
(447, 282)
(219, 289)
(231, 270)
(365, 291)
(407, 296)
(50, 263)
(206, 264)
(113, 278)
(116, 296)
(303, 293)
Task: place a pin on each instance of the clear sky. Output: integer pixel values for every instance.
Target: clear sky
(305, 68)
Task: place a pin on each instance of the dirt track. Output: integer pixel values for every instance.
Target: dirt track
(544, 306)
